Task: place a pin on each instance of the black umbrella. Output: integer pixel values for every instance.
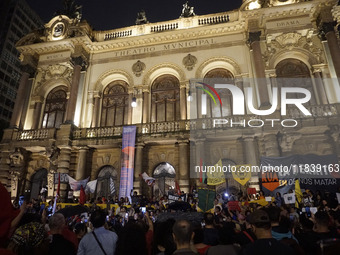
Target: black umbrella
(180, 206)
(73, 210)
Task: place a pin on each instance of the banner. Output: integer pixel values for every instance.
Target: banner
(206, 199)
(127, 161)
(174, 197)
(241, 175)
(75, 185)
(216, 177)
(91, 186)
(314, 172)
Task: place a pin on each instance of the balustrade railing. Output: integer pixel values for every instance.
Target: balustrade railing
(38, 134)
(317, 111)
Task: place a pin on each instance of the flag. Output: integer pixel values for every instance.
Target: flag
(82, 198)
(298, 193)
(91, 186)
(178, 189)
(242, 174)
(56, 195)
(75, 185)
(127, 161)
(149, 180)
(216, 175)
(206, 199)
(58, 190)
(112, 186)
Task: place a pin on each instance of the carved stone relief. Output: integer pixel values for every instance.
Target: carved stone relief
(138, 68)
(291, 41)
(189, 61)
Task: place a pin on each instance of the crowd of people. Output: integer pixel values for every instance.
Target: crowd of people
(155, 226)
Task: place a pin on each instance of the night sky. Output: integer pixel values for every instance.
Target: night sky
(110, 14)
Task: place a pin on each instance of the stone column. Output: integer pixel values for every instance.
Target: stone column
(37, 112)
(271, 145)
(331, 86)
(254, 42)
(199, 144)
(63, 168)
(22, 91)
(184, 171)
(81, 168)
(95, 115)
(327, 33)
(320, 88)
(250, 157)
(138, 167)
(72, 101)
(129, 121)
(4, 168)
(146, 106)
(183, 101)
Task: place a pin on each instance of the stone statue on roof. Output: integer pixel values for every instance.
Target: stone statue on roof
(72, 10)
(187, 11)
(141, 18)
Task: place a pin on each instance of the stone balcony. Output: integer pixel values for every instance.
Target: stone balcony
(321, 115)
(181, 23)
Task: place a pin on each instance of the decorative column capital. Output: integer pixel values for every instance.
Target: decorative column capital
(28, 69)
(325, 28)
(183, 142)
(96, 94)
(79, 61)
(183, 84)
(140, 145)
(254, 37)
(271, 73)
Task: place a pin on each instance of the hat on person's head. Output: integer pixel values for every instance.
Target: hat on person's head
(258, 216)
(29, 235)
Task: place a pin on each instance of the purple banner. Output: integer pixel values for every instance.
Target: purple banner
(127, 161)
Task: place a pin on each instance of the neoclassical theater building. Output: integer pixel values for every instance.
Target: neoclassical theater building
(78, 84)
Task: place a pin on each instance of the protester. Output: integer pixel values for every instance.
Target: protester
(211, 236)
(265, 243)
(227, 230)
(59, 244)
(183, 235)
(100, 240)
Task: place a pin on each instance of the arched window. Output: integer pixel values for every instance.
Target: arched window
(107, 184)
(55, 108)
(115, 105)
(220, 76)
(165, 174)
(165, 99)
(294, 73)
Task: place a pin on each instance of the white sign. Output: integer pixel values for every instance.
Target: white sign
(268, 199)
(289, 198)
(313, 210)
